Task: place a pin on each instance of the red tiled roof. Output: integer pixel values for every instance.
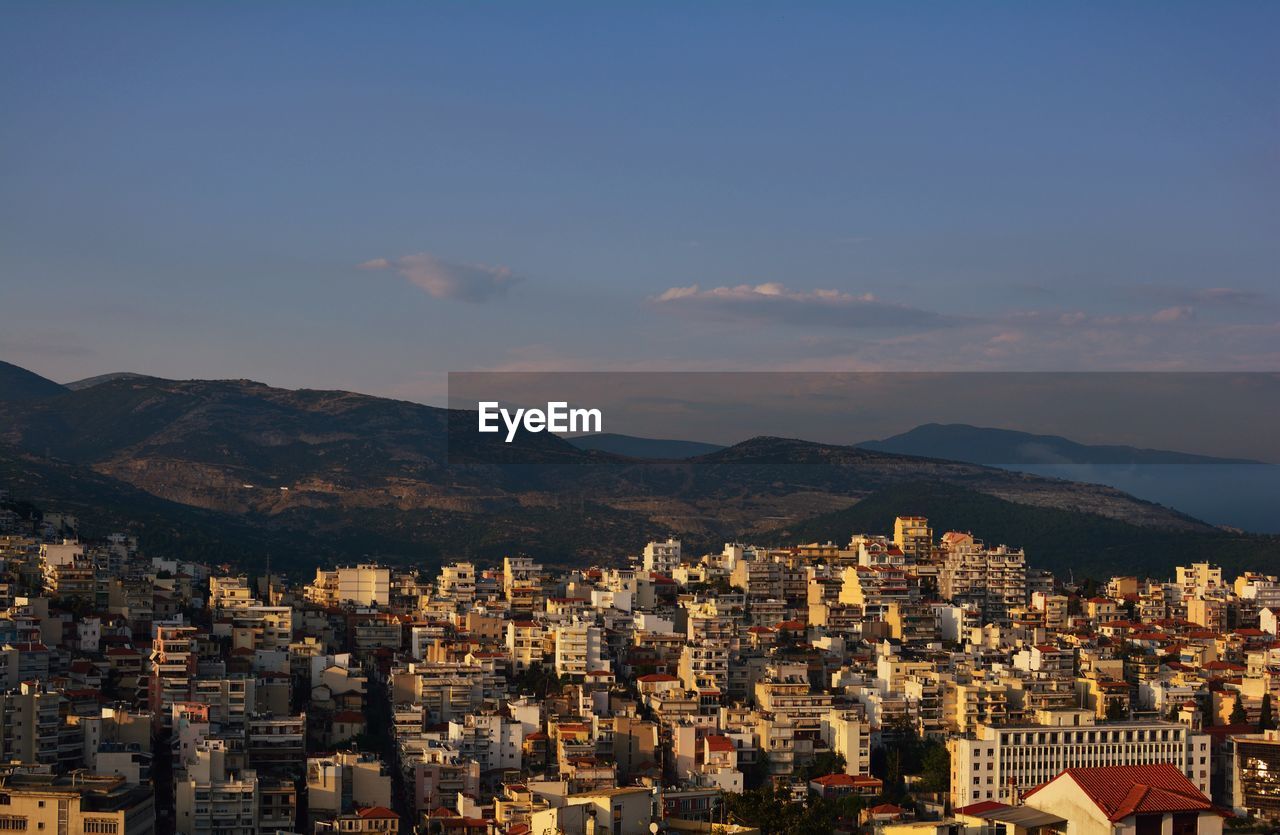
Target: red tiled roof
(657, 677)
(1123, 790)
(380, 812)
(719, 743)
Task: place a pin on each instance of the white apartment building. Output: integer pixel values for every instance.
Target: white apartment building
(212, 798)
(519, 572)
(229, 593)
(524, 644)
(993, 579)
(1199, 578)
(580, 649)
(704, 667)
(662, 557)
(458, 581)
(848, 734)
(998, 761)
(365, 585)
(1260, 588)
(492, 740)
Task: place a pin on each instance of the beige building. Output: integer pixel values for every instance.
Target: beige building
(993, 579)
(999, 761)
(624, 811)
(914, 537)
(75, 805)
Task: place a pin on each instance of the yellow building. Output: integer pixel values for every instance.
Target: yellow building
(75, 805)
(913, 535)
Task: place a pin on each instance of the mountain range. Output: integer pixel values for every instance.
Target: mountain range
(634, 447)
(1233, 492)
(234, 470)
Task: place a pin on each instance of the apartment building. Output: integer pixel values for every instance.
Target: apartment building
(29, 725)
(75, 805)
(525, 644)
(229, 593)
(580, 649)
(173, 665)
(519, 572)
(457, 581)
(992, 579)
(994, 763)
(848, 733)
(914, 538)
(492, 740)
(364, 585)
(339, 782)
(704, 667)
(211, 798)
(875, 588)
(662, 557)
(1199, 579)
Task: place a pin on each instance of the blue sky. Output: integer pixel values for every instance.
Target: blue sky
(366, 196)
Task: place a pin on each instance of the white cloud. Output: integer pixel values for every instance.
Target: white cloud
(775, 302)
(447, 280)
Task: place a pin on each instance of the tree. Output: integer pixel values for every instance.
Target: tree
(827, 762)
(538, 681)
(1116, 711)
(756, 775)
(935, 772)
(1238, 714)
(1266, 721)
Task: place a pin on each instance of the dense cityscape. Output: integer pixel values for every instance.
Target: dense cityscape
(906, 681)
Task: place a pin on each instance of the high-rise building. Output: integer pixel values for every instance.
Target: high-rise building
(914, 537)
(662, 557)
(173, 665)
(993, 579)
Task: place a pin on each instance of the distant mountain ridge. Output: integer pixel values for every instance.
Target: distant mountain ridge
(18, 383)
(634, 447)
(90, 382)
(336, 475)
(1232, 492)
(1007, 447)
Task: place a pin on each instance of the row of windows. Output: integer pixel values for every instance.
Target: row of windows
(1067, 737)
